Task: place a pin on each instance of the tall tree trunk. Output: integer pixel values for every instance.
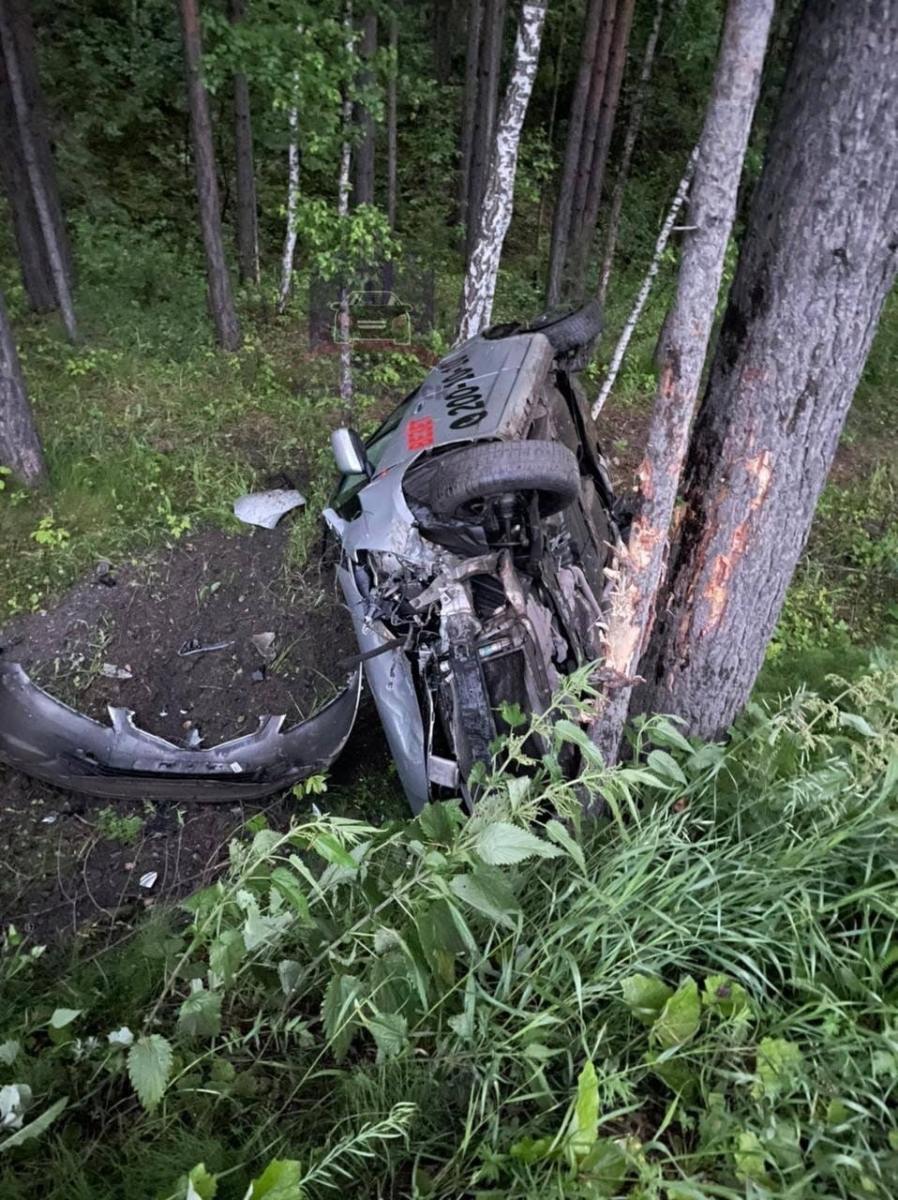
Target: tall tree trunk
(817, 261)
(715, 187)
(581, 238)
(576, 119)
(20, 445)
(633, 123)
(363, 192)
(392, 142)
(37, 277)
(442, 39)
(560, 55)
(220, 295)
(343, 190)
(485, 115)
(592, 119)
(40, 176)
(289, 249)
(469, 106)
(483, 267)
(247, 221)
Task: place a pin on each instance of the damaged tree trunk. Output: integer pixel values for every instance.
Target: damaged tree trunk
(576, 119)
(483, 267)
(687, 332)
(817, 262)
(20, 445)
(247, 223)
(220, 296)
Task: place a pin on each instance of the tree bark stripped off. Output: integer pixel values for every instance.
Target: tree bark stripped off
(363, 191)
(343, 189)
(483, 267)
(633, 123)
(818, 258)
(485, 109)
(582, 234)
(32, 141)
(576, 120)
(20, 446)
(721, 152)
(247, 221)
(220, 296)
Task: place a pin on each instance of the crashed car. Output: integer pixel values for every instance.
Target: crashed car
(475, 527)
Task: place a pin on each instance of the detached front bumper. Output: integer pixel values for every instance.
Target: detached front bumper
(47, 739)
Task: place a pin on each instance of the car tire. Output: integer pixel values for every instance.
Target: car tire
(494, 468)
(573, 329)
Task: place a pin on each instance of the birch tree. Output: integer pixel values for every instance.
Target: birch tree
(343, 189)
(818, 259)
(483, 266)
(289, 251)
(715, 186)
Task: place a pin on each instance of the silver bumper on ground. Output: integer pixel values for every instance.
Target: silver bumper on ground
(47, 739)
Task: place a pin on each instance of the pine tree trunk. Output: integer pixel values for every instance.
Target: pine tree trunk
(21, 76)
(392, 143)
(442, 39)
(591, 121)
(20, 445)
(576, 120)
(220, 295)
(469, 107)
(582, 236)
(247, 222)
(363, 192)
(817, 261)
(485, 115)
(633, 123)
(734, 95)
(483, 267)
(34, 264)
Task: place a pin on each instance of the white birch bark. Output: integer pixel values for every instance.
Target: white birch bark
(483, 265)
(343, 190)
(289, 250)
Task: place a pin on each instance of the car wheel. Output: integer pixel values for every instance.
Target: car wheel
(468, 478)
(572, 329)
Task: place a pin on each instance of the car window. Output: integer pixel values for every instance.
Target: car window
(349, 485)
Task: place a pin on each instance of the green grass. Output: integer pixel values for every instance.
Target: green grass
(694, 997)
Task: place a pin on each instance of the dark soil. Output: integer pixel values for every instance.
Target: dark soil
(67, 870)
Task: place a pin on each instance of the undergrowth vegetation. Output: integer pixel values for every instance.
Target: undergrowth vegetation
(693, 996)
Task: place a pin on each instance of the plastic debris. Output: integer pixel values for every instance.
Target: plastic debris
(193, 739)
(148, 880)
(264, 643)
(50, 819)
(265, 509)
(195, 646)
(111, 671)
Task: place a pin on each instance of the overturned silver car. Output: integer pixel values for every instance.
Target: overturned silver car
(475, 528)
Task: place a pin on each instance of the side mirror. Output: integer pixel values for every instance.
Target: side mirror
(349, 453)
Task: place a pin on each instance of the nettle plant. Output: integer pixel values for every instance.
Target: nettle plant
(692, 996)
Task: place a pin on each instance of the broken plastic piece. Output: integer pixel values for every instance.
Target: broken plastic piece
(110, 671)
(264, 643)
(195, 646)
(266, 508)
(47, 739)
(148, 880)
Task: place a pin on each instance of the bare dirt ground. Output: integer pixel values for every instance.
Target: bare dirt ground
(72, 864)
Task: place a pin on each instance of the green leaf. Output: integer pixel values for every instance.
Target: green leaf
(279, 1181)
(856, 722)
(680, 1017)
(569, 732)
(439, 821)
(226, 954)
(606, 1167)
(502, 844)
(749, 1158)
(487, 891)
(149, 1068)
(779, 1063)
(389, 1031)
(586, 1112)
(9, 1052)
(331, 851)
(288, 886)
(339, 1012)
(36, 1127)
(663, 764)
(645, 997)
(200, 1184)
(560, 835)
(200, 1014)
(64, 1016)
(723, 995)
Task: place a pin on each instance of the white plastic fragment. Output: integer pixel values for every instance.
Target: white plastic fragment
(50, 819)
(266, 508)
(121, 1037)
(111, 671)
(148, 880)
(264, 643)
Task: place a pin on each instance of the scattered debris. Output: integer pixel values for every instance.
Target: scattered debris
(266, 508)
(194, 741)
(50, 819)
(195, 646)
(258, 676)
(264, 643)
(149, 880)
(110, 671)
